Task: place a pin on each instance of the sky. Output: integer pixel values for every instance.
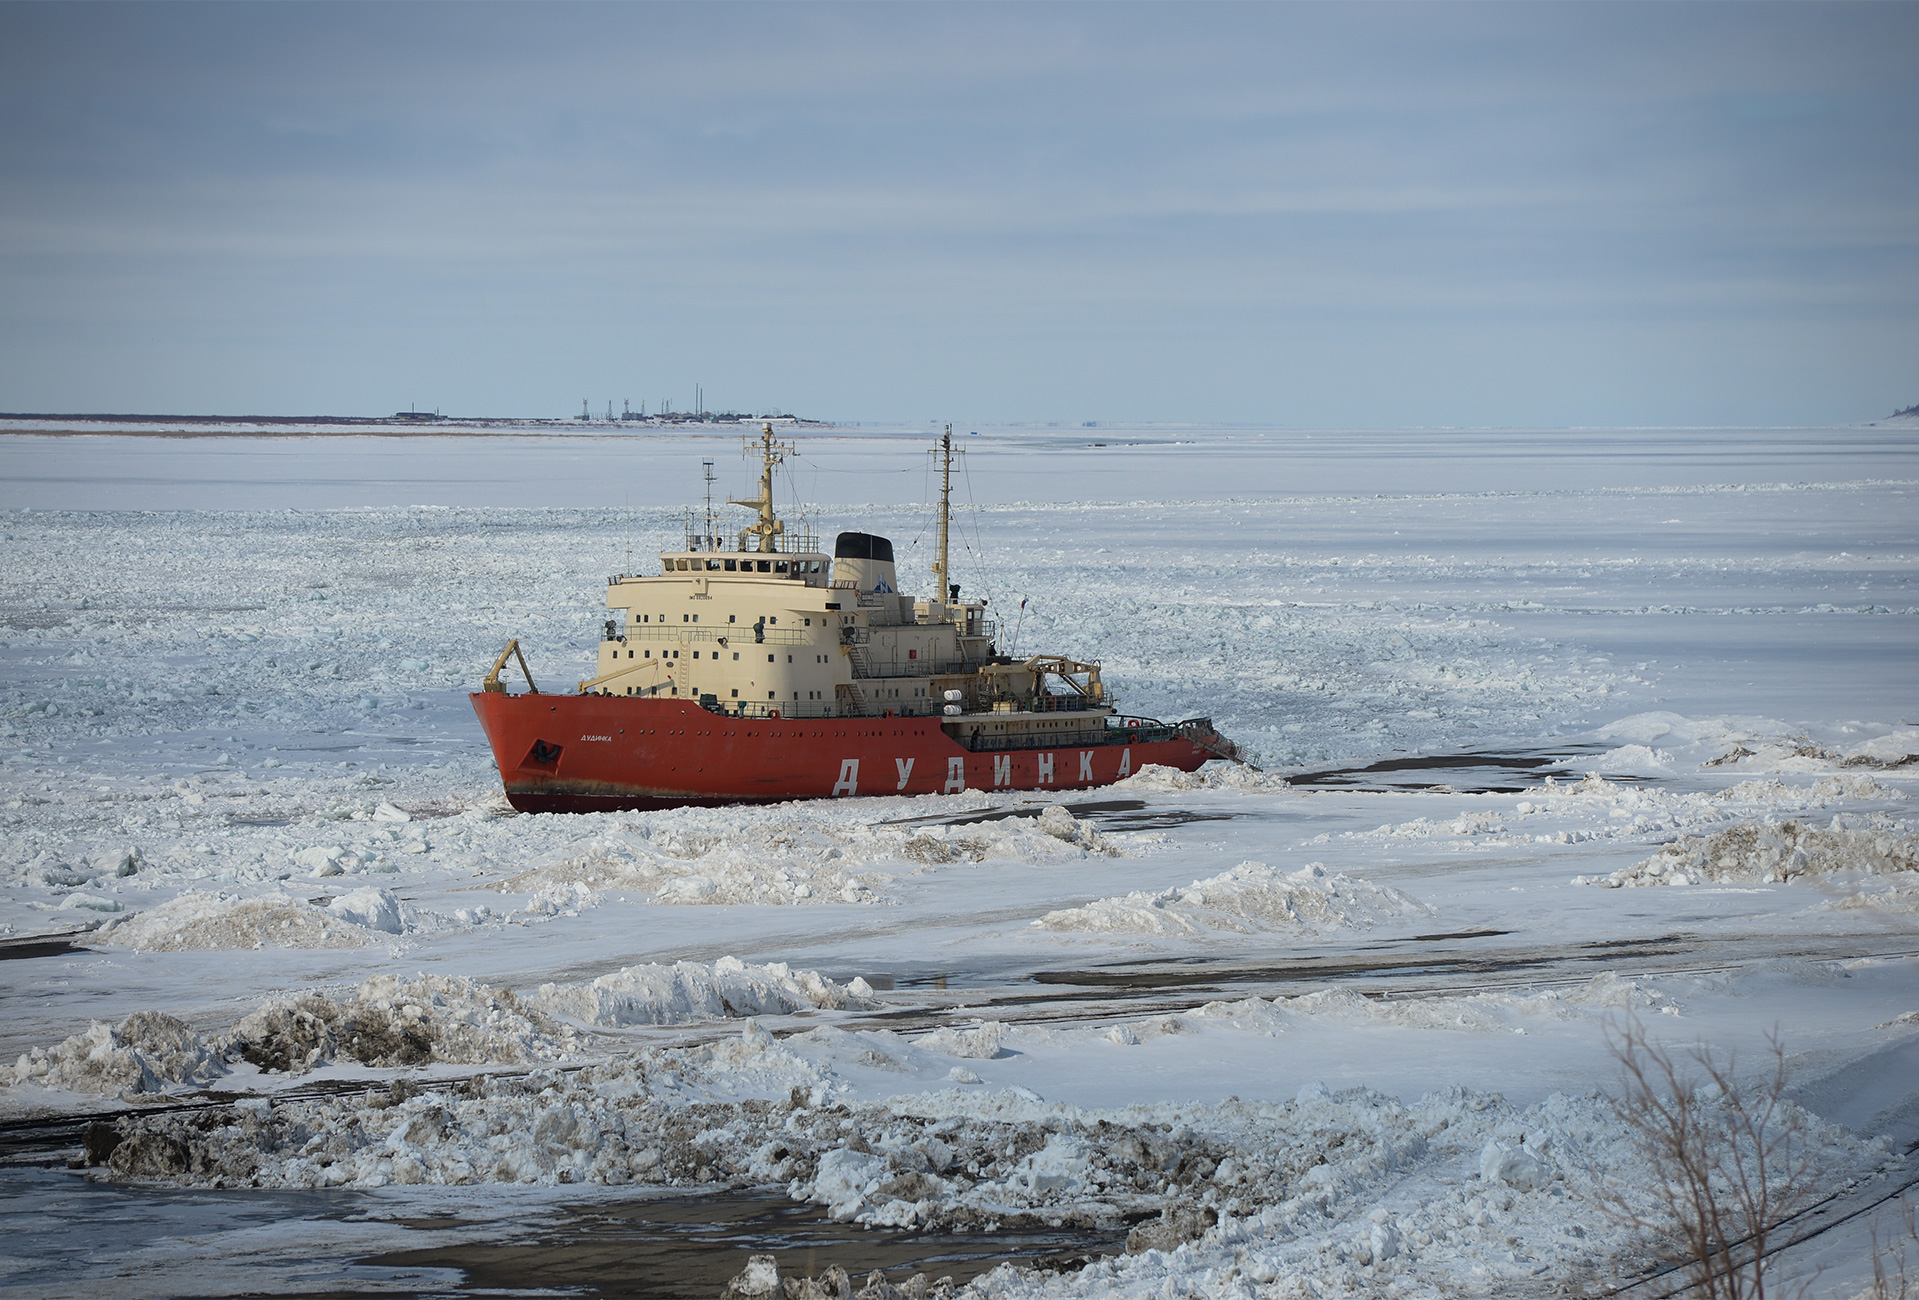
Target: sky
(1312, 216)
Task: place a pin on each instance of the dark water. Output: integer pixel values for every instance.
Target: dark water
(686, 1247)
(69, 1235)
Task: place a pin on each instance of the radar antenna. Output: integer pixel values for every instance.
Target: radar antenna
(948, 589)
(707, 543)
(768, 527)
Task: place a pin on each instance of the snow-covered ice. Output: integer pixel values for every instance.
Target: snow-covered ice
(1335, 1027)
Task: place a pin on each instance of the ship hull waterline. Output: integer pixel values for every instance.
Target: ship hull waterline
(607, 753)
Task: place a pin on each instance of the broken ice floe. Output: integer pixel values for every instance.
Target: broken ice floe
(1251, 897)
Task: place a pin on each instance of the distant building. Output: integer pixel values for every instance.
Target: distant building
(420, 417)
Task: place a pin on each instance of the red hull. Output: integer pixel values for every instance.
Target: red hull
(597, 753)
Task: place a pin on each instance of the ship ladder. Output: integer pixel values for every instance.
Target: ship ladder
(856, 659)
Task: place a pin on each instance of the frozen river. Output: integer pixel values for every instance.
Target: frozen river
(1502, 670)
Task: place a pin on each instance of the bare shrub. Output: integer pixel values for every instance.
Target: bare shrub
(1894, 1264)
(1730, 1161)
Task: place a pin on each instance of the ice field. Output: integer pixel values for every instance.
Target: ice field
(1556, 730)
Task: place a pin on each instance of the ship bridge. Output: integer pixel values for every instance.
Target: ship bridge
(746, 627)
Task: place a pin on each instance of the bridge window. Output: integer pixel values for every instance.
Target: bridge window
(713, 566)
(779, 566)
(769, 658)
(736, 694)
(736, 654)
(731, 619)
(732, 566)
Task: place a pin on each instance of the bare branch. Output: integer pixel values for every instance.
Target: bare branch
(1730, 1161)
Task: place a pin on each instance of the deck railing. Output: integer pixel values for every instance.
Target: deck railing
(732, 634)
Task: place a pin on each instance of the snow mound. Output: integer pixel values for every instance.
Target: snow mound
(1213, 776)
(198, 921)
(1251, 897)
(388, 1021)
(146, 1052)
(687, 991)
(1770, 852)
(796, 854)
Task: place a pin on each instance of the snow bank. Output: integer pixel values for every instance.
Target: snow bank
(388, 1021)
(1251, 897)
(1770, 852)
(1458, 1193)
(688, 991)
(146, 1052)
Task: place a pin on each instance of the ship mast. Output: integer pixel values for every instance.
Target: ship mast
(945, 453)
(769, 527)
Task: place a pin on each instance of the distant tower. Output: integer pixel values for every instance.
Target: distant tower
(584, 417)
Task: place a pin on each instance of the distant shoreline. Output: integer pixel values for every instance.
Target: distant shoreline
(51, 425)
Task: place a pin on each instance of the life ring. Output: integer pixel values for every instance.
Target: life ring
(773, 714)
(1133, 723)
